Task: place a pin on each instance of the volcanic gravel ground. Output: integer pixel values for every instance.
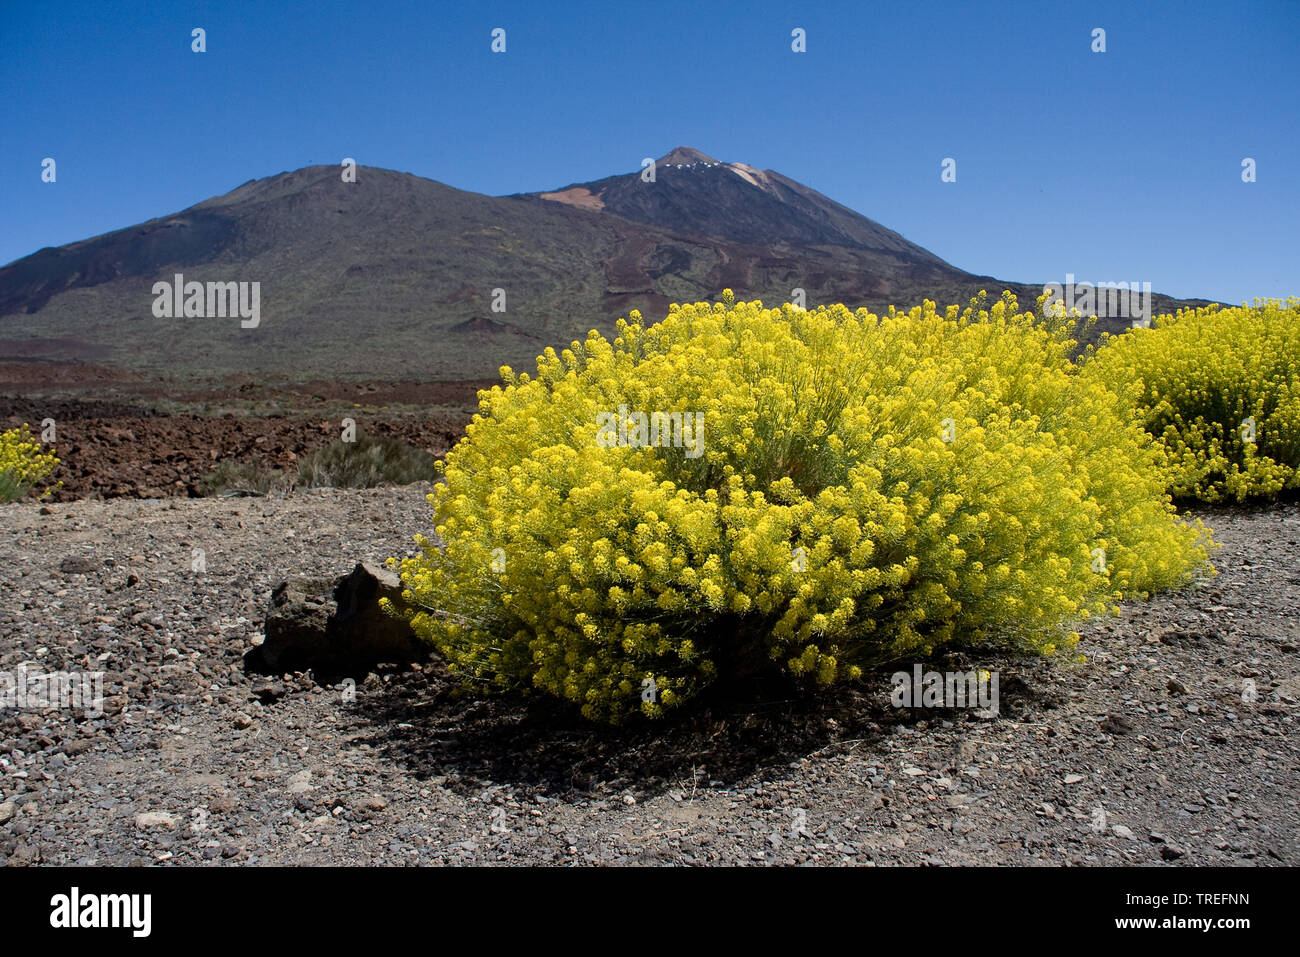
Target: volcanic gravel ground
(111, 451)
(1175, 743)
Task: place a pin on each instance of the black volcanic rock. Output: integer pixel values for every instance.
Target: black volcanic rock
(337, 629)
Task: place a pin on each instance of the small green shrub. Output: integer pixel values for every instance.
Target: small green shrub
(365, 463)
(231, 478)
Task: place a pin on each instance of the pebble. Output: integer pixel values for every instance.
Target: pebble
(147, 820)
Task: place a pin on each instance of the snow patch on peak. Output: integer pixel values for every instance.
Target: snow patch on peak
(755, 177)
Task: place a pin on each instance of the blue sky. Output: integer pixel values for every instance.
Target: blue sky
(1115, 166)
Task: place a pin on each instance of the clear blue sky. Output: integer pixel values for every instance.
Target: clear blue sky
(1123, 165)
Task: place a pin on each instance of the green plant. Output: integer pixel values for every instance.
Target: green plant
(366, 462)
(1220, 389)
(231, 478)
(852, 489)
(23, 464)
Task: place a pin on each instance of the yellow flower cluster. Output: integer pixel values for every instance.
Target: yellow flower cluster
(870, 487)
(1220, 390)
(23, 464)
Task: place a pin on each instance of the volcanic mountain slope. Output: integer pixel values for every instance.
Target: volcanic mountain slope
(694, 194)
(364, 279)
(393, 276)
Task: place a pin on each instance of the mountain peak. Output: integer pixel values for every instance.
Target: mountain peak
(699, 196)
(685, 156)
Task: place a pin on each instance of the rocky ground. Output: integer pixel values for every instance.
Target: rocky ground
(121, 434)
(110, 451)
(1176, 742)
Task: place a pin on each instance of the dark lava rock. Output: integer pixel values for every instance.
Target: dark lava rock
(78, 565)
(268, 691)
(336, 630)
(1116, 724)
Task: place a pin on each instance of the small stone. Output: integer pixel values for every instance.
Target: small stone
(153, 819)
(222, 803)
(1073, 778)
(1116, 724)
(78, 565)
(268, 691)
(22, 855)
(7, 811)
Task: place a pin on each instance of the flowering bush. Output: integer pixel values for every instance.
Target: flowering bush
(23, 465)
(1220, 389)
(837, 490)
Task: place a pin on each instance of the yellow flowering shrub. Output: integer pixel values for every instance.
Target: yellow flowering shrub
(1220, 389)
(857, 488)
(23, 464)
